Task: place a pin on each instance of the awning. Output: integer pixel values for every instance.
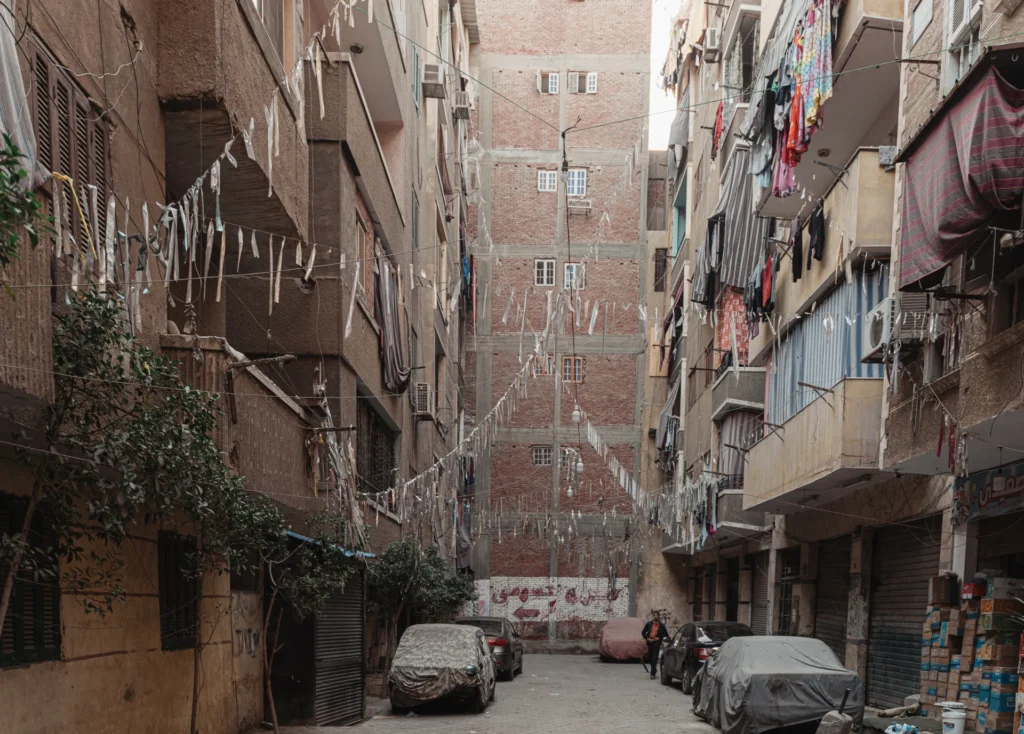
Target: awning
(736, 235)
(346, 551)
(966, 172)
(701, 273)
(679, 135)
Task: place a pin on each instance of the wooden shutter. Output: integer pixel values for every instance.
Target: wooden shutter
(573, 82)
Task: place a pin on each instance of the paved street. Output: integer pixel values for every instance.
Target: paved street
(564, 693)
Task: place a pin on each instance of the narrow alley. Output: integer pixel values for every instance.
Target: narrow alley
(558, 693)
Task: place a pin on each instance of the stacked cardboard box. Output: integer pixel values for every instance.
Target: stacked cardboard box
(941, 641)
(991, 642)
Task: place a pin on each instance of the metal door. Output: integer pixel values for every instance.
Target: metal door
(904, 557)
(832, 598)
(340, 689)
(759, 593)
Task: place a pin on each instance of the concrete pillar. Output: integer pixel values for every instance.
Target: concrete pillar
(964, 549)
(860, 602)
(743, 611)
(805, 592)
(774, 573)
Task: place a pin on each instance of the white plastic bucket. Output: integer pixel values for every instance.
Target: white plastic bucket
(954, 717)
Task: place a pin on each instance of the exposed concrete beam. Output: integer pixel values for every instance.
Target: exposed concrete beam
(632, 344)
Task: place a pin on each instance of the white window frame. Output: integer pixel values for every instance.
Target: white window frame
(547, 82)
(547, 181)
(544, 365)
(572, 369)
(574, 276)
(919, 21)
(576, 183)
(543, 273)
(591, 82)
(542, 455)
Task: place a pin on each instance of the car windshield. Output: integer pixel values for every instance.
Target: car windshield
(491, 627)
(720, 632)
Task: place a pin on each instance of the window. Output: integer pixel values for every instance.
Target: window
(31, 630)
(364, 241)
(417, 78)
(547, 82)
(574, 273)
(175, 557)
(545, 365)
(71, 138)
(660, 269)
(271, 12)
(576, 182)
(543, 273)
(547, 180)
(920, 19)
(376, 460)
(572, 369)
(961, 56)
(542, 455)
(582, 82)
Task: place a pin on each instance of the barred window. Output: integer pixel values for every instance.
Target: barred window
(175, 557)
(542, 455)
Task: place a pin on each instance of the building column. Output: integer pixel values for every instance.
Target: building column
(721, 581)
(743, 612)
(963, 547)
(860, 603)
(805, 592)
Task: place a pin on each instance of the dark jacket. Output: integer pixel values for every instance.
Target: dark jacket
(662, 632)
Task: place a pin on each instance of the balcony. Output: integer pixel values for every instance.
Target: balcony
(737, 388)
(858, 210)
(826, 451)
(734, 522)
(218, 68)
(863, 108)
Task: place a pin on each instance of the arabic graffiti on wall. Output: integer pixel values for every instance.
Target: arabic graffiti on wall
(531, 599)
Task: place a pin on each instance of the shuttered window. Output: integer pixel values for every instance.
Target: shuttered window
(31, 629)
(72, 140)
(175, 556)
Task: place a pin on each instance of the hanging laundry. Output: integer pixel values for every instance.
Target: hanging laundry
(716, 134)
(816, 235)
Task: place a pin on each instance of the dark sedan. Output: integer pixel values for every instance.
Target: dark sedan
(692, 645)
(506, 645)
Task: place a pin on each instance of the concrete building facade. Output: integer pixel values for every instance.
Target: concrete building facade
(359, 209)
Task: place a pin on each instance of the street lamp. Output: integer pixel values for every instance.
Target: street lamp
(577, 416)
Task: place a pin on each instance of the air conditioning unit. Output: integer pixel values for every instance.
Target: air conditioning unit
(964, 16)
(423, 401)
(880, 325)
(887, 323)
(580, 206)
(712, 45)
(433, 81)
(461, 105)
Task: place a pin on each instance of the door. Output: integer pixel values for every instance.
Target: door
(672, 660)
(904, 557)
(339, 657)
(759, 593)
(732, 590)
(713, 592)
(789, 560)
(832, 598)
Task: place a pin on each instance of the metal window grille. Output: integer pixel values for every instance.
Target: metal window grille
(541, 455)
(375, 452)
(175, 558)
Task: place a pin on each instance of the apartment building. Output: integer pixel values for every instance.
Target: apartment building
(329, 153)
(787, 509)
(560, 242)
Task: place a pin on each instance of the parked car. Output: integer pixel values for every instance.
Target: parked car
(692, 645)
(441, 662)
(752, 685)
(622, 639)
(504, 640)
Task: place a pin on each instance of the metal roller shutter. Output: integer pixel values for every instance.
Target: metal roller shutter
(339, 657)
(832, 599)
(903, 559)
(759, 593)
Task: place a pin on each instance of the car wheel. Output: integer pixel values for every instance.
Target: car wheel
(666, 679)
(399, 710)
(687, 680)
(520, 664)
(477, 706)
(510, 673)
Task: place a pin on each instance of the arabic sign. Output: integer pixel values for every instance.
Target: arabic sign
(983, 495)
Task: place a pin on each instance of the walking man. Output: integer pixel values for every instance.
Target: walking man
(654, 632)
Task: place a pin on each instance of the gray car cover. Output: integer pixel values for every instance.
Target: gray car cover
(753, 684)
(431, 662)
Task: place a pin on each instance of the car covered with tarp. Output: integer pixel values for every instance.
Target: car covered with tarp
(622, 638)
(753, 685)
(441, 662)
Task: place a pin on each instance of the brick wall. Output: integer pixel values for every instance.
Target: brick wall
(610, 190)
(514, 127)
(607, 392)
(619, 95)
(567, 26)
(520, 214)
(731, 309)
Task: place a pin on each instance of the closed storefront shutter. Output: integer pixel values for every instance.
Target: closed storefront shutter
(713, 593)
(1001, 543)
(832, 594)
(759, 593)
(903, 559)
(339, 657)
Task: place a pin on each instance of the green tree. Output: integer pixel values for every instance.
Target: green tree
(20, 209)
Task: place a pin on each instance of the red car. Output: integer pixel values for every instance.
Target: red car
(622, 639)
